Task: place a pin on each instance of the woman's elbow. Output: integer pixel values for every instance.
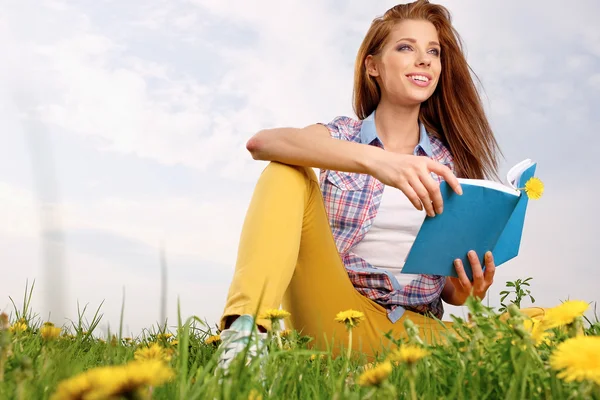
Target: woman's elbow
(253, 145)
(256, 145)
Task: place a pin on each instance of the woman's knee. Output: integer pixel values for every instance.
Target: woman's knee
(288, 171)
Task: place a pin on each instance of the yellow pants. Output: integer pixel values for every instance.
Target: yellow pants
(287, 256)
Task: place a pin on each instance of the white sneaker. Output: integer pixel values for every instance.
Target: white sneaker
(235, 339)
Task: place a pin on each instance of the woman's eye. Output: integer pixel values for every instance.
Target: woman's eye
(403, 47)
(435, 51)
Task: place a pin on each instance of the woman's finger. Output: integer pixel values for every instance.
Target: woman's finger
(490, 268)
(433, 188)
(423, 194)
(462, 275)
(476, 268)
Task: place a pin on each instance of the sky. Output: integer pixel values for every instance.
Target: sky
(124, 123)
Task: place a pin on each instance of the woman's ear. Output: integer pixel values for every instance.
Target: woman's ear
(371, 66)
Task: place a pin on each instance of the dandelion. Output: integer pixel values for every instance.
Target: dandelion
(536, 330)
(164, 336)
(286, 333)
(152, 352)
(375, 376)
(214, 340)
(254, 395)
(534, 188)
(275, 316)
(578, 359)
(127, 381)
(48, 331)
(351, 318)
(409, 355)
(565, 313)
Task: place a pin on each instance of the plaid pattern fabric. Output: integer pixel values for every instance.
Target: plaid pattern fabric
(352, 200)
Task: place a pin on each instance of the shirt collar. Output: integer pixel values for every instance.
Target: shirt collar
(368, 133)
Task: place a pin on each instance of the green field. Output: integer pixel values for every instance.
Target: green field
(488, 357)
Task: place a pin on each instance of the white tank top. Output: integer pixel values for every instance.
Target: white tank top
(392, 234)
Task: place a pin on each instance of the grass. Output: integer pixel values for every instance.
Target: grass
(489, 358)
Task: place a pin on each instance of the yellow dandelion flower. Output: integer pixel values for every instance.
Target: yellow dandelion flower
(285, 333)
(174, 342)
(74, 388)
(536, 329)
(49, 331)
(152, 352)
(376, 375)
(350, 317)
(564, 313)
(254, 395)
(534, 188)
(408, 354)
(18, 327)
(133, 377)
(214, 339)
(114, 381)
(275, 314)
(578, 359)
(164, 336)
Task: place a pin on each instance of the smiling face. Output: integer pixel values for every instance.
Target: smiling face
(409, 66)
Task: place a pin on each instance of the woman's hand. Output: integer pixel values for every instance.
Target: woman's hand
(412, 175)
(457, 290)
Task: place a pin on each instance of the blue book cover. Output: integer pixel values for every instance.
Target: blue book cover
(488, 216)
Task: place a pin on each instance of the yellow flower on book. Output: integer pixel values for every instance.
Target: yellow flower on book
(275, 314)
(408, 354)
(376, 375)
(564, 314)
(534, 188)
(578, 359)
(350, 317)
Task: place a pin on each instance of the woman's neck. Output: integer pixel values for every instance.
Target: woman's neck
(397, 126)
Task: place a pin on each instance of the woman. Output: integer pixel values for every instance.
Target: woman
(323, 245)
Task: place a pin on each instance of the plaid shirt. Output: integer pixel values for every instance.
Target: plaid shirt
(352, 200)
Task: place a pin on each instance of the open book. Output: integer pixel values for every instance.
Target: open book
(488, 216)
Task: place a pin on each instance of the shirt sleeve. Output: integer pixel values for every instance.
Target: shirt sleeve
(338, 128)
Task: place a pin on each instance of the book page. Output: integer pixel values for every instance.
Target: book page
(515, 172)
(490, 184)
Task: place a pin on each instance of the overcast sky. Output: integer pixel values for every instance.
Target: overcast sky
(128, 119)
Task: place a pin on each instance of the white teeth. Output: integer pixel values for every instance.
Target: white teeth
(420, 78)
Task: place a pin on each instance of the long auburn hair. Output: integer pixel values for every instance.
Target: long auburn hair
(454, 113)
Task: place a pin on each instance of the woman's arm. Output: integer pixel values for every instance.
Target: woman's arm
(314, 147)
